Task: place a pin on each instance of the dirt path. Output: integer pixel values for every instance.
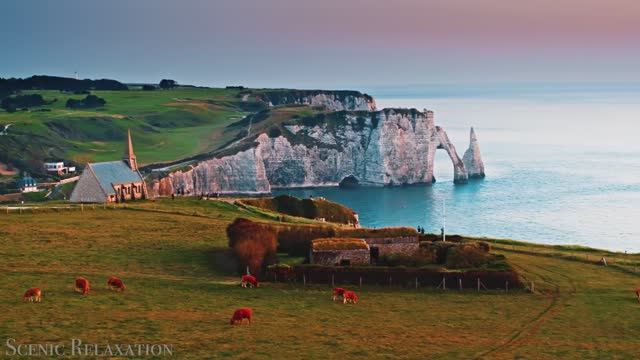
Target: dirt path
(556, 287)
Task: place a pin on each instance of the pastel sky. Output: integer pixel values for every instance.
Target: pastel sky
(328, 43)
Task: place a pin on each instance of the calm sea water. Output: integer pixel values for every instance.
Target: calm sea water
(562, 169)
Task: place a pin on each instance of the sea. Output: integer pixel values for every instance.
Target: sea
(562, 165)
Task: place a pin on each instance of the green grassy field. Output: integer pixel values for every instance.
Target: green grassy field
(166, 125)
(172, 256)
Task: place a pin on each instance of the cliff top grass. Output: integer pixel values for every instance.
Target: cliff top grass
(338, 243)
(171, 255)
(308, 208)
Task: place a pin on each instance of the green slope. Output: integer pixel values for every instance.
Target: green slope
(166, 125)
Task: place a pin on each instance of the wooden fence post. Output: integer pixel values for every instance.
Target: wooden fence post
(533, 287)
(460, 283)
(444, 283)
(360, 282)
(506, 286)
(304, 279)
(416, 282)
(332, 280)
(389, 280)
(478, 279)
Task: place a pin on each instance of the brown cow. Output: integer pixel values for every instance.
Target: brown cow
(116, 284)
(350, 297)
(249, 281)
(82, 285)
(638, 294)
(33, 295)
(338, 293)
(241, 314)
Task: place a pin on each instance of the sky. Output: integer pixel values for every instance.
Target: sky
(324, 44)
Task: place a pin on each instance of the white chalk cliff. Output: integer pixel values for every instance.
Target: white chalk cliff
(388, 147)
(332, 100)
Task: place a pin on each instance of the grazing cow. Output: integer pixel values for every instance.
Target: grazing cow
(249, 281)
(241, 314)
(638, 294)
(338, 293)
(82, 285)
(33, 295)
(116, 284)
(349, 297)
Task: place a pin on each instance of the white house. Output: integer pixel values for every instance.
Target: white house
(59, 168)
(27, 184)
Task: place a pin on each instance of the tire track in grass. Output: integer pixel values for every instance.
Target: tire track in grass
(556, 304)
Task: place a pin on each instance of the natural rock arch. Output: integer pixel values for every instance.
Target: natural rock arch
(460, 175)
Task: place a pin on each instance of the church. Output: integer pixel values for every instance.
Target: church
(111, 181)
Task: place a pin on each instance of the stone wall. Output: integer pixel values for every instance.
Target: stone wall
(398, 245)
(335, 257)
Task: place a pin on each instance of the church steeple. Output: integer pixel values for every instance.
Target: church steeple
(129, 156)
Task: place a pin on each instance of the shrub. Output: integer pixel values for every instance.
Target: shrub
(90, 101)
(11, 104)
(296, 240)
(148, 87)
(274, 132)
(484, 246)
(280, 272)
(439, 249)
(252, 243)
(422, 258)
(466, 256)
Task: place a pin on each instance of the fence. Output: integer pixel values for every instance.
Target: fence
(401, 277)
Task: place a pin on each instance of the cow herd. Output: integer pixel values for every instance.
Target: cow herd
(248, 281)
(81, 285)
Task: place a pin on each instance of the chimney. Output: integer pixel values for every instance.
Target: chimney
(129, 156)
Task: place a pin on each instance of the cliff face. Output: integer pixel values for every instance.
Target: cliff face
(337, 100)
(388, 147)
(472, 159)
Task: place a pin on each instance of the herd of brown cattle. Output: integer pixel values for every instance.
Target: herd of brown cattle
(81, 286)
(250, 281)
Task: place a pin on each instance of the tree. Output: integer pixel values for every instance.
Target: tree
(148, 87)
(252, 243)
(167, 84)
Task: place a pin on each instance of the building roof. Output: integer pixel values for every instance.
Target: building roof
(393, 240)
(330, 244)
(112, 173)
(27, 181)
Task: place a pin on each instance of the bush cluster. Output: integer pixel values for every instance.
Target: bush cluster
(254, 244)
(90, 101)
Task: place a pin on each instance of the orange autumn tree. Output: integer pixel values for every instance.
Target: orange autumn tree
(252, 243)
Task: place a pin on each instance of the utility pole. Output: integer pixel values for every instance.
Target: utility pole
(444, 221)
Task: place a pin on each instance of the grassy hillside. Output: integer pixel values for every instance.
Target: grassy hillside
(166, 125)
(171, 254)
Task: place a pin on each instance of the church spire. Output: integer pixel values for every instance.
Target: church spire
(129, 156)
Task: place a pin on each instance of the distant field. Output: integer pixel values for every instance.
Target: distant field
(166, 125)
(172, 257)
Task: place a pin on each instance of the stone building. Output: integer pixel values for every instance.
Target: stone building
(339, 252)
(406, 245)
(112, 181)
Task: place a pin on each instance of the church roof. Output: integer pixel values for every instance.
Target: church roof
(112, 173)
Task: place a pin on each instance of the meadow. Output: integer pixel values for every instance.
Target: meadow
(166, 125)
(182, 290)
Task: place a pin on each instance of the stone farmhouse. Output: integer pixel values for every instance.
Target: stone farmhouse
(351, 251)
